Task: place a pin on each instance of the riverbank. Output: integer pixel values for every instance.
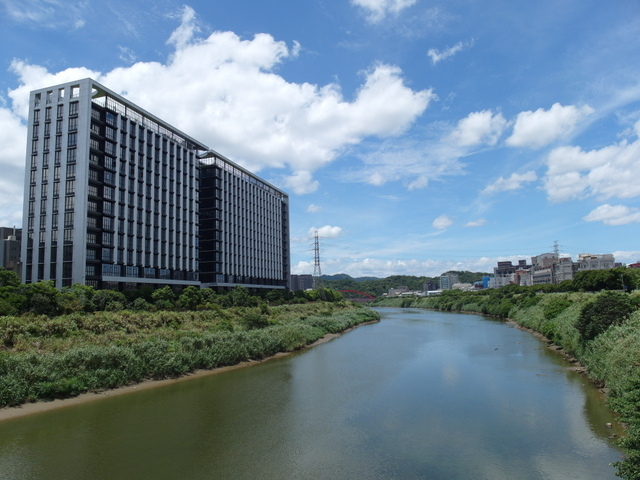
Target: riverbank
(610, 358)
(103, 352)
(9, 413)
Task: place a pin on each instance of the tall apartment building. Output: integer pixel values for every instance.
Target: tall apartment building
(244, 227)
(10, 239)
(448, 280)
(112, 198)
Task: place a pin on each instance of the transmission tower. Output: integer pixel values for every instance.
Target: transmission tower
(317, 272)
(556, 248)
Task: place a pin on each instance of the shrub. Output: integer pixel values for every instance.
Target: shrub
(254, 320)
(608, 308)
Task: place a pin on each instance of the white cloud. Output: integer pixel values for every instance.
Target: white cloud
(378, 10)
(325, 232)
(301, 182)
(614, 215)
(476, 223)
(312, 208)
(478, 128)
(13, 136)
(632, 256)
(437, 56)
(380, 267)
(223, 90)
(610, 172)
(52, 14)
(442, 222)
(542, 127)
(514, 182)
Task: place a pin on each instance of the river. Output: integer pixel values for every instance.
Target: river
(420, 395)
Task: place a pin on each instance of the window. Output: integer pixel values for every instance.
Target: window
(47, 113)
(69, 203)
(108, 193)
(68, 235)
(91, 254)
(56, 172)
(107, 238)
(108, 208)
(91, 270)
(71, 155)
(107, 223)
(91, 238)
(58, 127)
(60, 111)
(93, 190)
(107, 255)
(70, 187)
(71, 171)
(68, 220)
(72, 141)
(92, 205)
(73, 124)
(73, 107)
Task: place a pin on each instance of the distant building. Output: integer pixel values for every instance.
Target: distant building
(398, 291)
(447, 280)
(429, 286)
(10, 240)
(301, 282)
(465, 287)
(589, 261)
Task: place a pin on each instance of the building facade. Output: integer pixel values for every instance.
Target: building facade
(448, 280)
(112, 195)
(244, 227)
(10, 239)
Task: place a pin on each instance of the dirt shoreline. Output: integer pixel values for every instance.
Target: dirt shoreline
(8, 413)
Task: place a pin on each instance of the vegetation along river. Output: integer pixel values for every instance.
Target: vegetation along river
(420, 395)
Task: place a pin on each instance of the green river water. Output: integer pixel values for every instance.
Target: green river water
(420, 395)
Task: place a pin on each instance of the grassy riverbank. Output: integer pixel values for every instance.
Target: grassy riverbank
(60, 357)
(601, 330)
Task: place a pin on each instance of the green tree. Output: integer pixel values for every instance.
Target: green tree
(608, 308)
(41, 298)
(164, 297)
(8, 278)
(190, 298)
(109, 300)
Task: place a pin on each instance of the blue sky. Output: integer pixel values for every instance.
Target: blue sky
(416, 136)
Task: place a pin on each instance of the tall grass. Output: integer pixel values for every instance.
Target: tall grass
(56, 358)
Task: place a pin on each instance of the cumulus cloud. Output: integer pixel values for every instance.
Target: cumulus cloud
(223, 90)
(476, 223)
(385, 267)
(542, 127)
(325, 232)
(609, 172)
(12, 167)
(442, 222)
(378, 10)
(437, 56)
(478, 128)
(514, 182)
(614, 215)
(51, 14)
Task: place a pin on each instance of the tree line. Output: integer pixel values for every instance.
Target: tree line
(43, 298)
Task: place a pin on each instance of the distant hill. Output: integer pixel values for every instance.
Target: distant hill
(377, 286)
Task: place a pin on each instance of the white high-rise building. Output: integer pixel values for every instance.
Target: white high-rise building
(112, 199)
